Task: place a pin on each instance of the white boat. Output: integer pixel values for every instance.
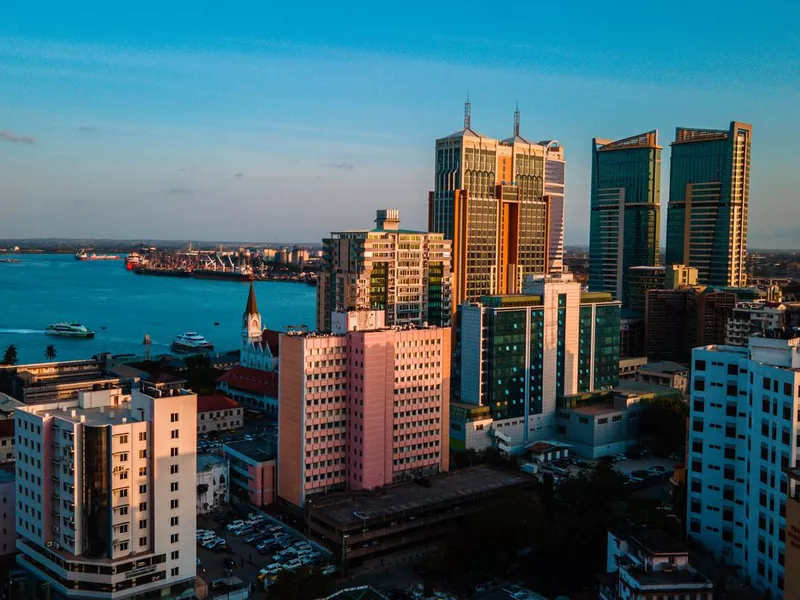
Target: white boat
(191, 342)
(69, 330)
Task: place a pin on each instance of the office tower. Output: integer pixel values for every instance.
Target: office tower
(107, 486)
(624, 230)
(406, 273)
(640, 280)
(362, 407)
(743, 433)
(488, 199)
(518, 353)
(791, 584)
(554, 189)
(709, 193)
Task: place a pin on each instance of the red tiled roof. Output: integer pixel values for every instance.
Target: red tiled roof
(215, 402)
(251, 380)
(6, 428)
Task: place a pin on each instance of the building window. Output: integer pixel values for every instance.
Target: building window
(123, 493)
(174, 555)
(173, 521)
(173, 487)
(143, 541)
(173, 452)
(173, 469)
(173, 539)
(143, 524)
(123, 457)
(142, 453)
(123, 439)
(174, 434)
(699, 365)
(142, 436)
(173, 418)
(173, 503)
(143, 488)
(123, 546)
(174, 572)
(142, 471)
(142, 506)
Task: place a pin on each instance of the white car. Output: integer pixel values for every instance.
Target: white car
(238, 523)
(204, 536)
(329, 570)
(293, 564)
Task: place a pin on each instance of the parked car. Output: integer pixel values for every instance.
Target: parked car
(254, 538)
(211, 544)
(293, 564)
(329, 569)
(237, 524)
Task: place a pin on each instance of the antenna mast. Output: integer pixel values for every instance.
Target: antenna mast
(516, 121)
(467, 112)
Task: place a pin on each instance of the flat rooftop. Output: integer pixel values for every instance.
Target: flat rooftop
(597, 409)
(410, 495)
(207, 461)
(665, 366)
(259, 450)
(683, 578)
(631, 386)
(104, 415)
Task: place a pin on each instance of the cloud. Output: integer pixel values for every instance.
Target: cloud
(185, 170)
(342, 166)
(792, 232)
(180, 190)
(238, 174)
(87, 128)
(7, 136)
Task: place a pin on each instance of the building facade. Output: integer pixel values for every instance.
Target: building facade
(488, 198)
(791, 584)
(709, 196)
(361, 408)
(625, 196)
(218, 413)
(555, 168)
(101, 500)
(406, 273)
(253, 470)
(213, 483)
(517, 353)
(743, 431)
(8, 510)
(752, 318)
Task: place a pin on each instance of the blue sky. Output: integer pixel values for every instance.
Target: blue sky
(257, 122)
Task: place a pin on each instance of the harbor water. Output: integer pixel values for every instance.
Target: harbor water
(121, 307)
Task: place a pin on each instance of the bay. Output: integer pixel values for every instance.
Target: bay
(121, 307)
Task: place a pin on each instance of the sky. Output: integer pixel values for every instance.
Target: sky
(279, 122)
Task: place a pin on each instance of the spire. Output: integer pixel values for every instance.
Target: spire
(252, 307)
(516, 121)
(467, 112)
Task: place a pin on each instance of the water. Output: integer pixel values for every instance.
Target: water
(121, 307)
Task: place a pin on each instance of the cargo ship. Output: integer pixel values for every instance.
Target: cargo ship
(224, 275)
(133, 260)
(83, 255)
(162, 272)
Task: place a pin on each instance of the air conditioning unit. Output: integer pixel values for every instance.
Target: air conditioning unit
(49, 544)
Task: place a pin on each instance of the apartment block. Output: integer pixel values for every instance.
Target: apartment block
(405, 273)
(102, 484)
(518, 353)
(753, 318)
(743, 437)
(361, 407)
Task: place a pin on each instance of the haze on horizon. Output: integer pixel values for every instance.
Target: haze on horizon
(262, 123)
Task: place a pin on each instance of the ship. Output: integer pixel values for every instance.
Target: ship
(163, 272)
(83, 255)
(69, 330)
(133, 260)
(235, 275)
(191, 342)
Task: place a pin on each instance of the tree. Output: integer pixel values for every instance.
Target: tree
(664, 423)
(50, 352)
(10, 357)
(303, 584)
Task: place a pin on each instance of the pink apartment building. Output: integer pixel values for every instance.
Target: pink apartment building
(363, 407)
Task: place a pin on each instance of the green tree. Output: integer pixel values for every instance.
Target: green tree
(50, 352)
(10, 357)
(664, 424)
(303, 584)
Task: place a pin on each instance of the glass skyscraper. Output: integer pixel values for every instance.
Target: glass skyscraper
(625, 209)
(708, 203)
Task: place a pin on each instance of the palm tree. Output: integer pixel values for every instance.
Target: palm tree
(50, 352)
(10, 357)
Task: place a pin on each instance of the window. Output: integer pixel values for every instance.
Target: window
(173, 487)
(602, 421)
(123, 474)
(173, 452)
(142, 471)
(123, 493)
(123, 457)
(699, 385)
(699, 365)
(123, 510)
(173, 418)
(123, 528)
(174, 572)
(173, 539)
(142, 436)
(174, 434)
(173, 469)
(143, 488)
(173, 503)
(142, 453)
(174, 555)
(123, 439)
(733, 369)
(143, 541)
(142, 506)
(173, 521)
(143, 524)
(123, 546)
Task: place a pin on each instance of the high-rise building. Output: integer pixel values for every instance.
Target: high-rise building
(624, 230)
(106, 498)
(518, 353)
(488, 198)
(555, 168)
(743, 432)
(406, 273)
(362, 407)
(709, 193)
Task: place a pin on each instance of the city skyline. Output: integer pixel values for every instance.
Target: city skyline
(189, 116)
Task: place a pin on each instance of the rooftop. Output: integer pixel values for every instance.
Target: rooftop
(206, 462)
(682, 578)
(216, 402)
(103, 415)
(128, 372)
(256, 450)
(363, 592)
(655, 541)
(665, 366)
(409, 496)
(9, 404)
(164, 379)
(251, 380)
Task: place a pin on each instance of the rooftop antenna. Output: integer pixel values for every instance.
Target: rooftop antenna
(467, 112)
(516, 121)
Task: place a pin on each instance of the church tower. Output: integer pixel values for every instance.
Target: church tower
(251, 322)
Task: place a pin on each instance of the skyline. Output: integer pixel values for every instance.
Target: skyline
(155, 128)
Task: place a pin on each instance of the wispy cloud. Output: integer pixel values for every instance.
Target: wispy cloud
(7, 136)
(238, 174)
(180, 190)
(185, 170)
(87, 128)
(342, 166)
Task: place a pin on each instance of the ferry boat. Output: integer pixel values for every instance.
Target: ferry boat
(69, 330)
(83, 255)
(191, 342)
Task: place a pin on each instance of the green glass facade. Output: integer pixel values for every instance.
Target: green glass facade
(708, 203)
(606, 346)
(585, 349)
(505, 381)
(624, 222)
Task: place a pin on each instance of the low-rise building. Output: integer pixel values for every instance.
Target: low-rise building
(253, 388)
(752, 318)
(6, 440)
(213, 481)
(667, 373)
(253, 470)
(8, 510)
(648, 564)
(218, 413)
(629, 367)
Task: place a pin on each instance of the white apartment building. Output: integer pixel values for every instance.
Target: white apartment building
(102, 484)
(753, 318)
(743, 435)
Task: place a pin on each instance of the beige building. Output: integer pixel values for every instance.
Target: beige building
(102, 494)
(406, 273)
(218, 413)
